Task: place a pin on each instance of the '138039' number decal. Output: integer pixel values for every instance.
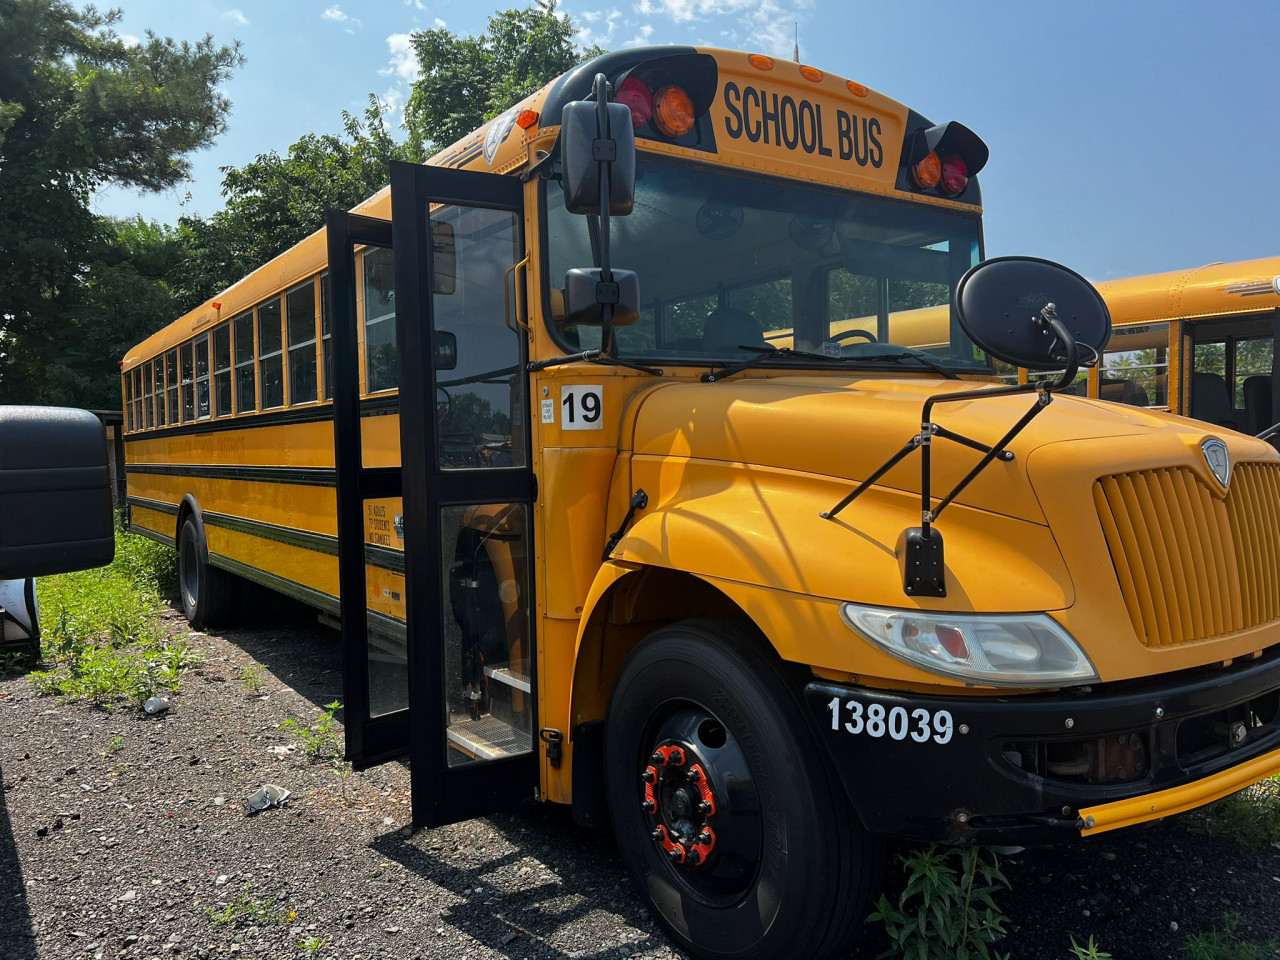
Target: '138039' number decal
(898, 723)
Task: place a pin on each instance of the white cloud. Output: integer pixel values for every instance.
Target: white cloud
(440, 24)
(602, 34)
(766, 25)
(237, 17)
(336, 14)
(404, 62)
(129, 40)
(642, 36)
(591, 16)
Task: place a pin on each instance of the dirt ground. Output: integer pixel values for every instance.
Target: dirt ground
(119, 834)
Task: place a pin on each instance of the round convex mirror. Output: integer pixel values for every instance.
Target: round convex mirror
(999, 301)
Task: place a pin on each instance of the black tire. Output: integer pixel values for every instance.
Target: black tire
(815, 868)
(207, 593)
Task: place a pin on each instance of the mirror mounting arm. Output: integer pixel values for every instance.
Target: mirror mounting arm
(605, 151)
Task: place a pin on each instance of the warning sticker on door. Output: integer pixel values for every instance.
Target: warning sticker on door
(548, 411)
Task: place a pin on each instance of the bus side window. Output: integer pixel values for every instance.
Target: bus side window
(188, 384)
(148, 397)
(171, 383)
(270, 354)
(222, 370)
(157, 367)
(1135, 367)
(246, 394)
(300, 307)
(203, 406)
(379, 320)
(326, 338)
(128, 400)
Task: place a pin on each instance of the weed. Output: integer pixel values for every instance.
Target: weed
(946, 912)
(1090, 951)
(319, 740)
(1218, 946)
(312, 946)
(245, 911)
(113, 746)
(14, 663)
(251, 680)
(104, 641)
(1250, 817)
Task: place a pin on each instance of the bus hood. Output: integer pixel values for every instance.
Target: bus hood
(846, 428)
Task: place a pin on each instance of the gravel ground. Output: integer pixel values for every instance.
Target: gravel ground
(122, 852)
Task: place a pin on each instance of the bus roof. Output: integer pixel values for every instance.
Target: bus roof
(768, 115)
(1216, 289)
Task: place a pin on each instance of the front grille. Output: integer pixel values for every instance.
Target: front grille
(1191, 565)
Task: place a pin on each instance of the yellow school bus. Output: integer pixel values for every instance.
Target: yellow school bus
(1199, 342)
(665, 542)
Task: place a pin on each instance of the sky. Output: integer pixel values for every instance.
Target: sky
(1127, 137)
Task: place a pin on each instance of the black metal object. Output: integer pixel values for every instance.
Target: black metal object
(972, 787)
(920, 558)
(369, 740)
(443, 793)
(639, 500)
(590, 805)
(554, 740)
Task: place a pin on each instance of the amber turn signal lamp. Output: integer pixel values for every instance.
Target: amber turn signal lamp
(673, 111)
(760, 61)
(217, 304)
(927, 172)
(812, 74)
(526, 119)
(857, 89)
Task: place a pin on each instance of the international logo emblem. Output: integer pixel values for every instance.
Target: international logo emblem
(1219, 460)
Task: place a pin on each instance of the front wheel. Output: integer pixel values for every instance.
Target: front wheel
(723, 807)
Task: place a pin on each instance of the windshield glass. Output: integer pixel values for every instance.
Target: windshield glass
(729, 261)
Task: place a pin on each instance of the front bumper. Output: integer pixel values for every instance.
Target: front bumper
(1032, 769)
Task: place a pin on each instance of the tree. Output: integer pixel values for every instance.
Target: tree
(466, 81)
(274, 201)
(80, 108)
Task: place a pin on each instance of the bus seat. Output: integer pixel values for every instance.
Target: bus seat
(727, 328)
(1211, 400)
(1257, 403)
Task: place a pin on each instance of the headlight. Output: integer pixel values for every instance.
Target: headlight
(1019, 650)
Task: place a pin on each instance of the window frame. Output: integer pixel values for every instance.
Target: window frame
(203, 379)
(238, 365)
(171, 379)
(277, 354)
(216, 371)
(291, 348)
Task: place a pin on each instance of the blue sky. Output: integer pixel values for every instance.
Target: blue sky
(1126, 137)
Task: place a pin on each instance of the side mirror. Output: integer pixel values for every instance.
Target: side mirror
(446, 350)
(1000, 304)
(55, 492)
(584, 308)
(583, 145)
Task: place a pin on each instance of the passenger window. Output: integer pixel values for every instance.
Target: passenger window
(203, 407)
(301, 307)
(148, 397)
(379, 321)
(171, 379)
(246, 401)
(1253, 359)
(1135, 366)
(326, 338)
(222, 370)
(188, 384)
(764, 301)
(270, 355)
(128, 399)
(157, 367)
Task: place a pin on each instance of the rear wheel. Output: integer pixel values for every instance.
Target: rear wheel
(724, 808)
(207, 593)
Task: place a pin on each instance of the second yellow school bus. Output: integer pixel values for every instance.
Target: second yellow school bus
(607, 571)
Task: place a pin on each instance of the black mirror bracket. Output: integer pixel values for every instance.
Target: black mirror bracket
(919, 548)
(604, 151)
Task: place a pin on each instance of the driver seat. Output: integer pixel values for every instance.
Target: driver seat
(727, 328)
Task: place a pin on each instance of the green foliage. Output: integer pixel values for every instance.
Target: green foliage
(467, 81)
(312, 945)
(1219, 944)
(320, 739)
(246, 911)
(251, 680)
(103, 640)
(948, 909)
(1090, 951)
(80, 109)
(113, 746)
(1250, 817)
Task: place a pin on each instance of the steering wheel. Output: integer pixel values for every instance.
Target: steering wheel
(867, 334)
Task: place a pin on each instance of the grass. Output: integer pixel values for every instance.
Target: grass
(1222, 945)
(103, 640)
(1250, 817)
(320, 740)
(246, 911)
(251, 679)
(312, 946)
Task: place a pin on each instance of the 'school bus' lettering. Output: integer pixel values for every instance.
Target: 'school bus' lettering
(597, 566)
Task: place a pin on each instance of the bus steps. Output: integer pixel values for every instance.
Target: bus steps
(488, 738)
(509, 677)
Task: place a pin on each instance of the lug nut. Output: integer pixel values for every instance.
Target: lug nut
(676, 853)
(695, 774)
(677, 756)
(695, 857)
(704, 836)
(648, 776)
(658, 759)
(649, 806)
(658, 834)
(704, 806)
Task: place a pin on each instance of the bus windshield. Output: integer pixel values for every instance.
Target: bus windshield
(728, 261)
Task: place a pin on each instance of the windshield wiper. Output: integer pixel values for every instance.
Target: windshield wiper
(593, 356)
(768, 353)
